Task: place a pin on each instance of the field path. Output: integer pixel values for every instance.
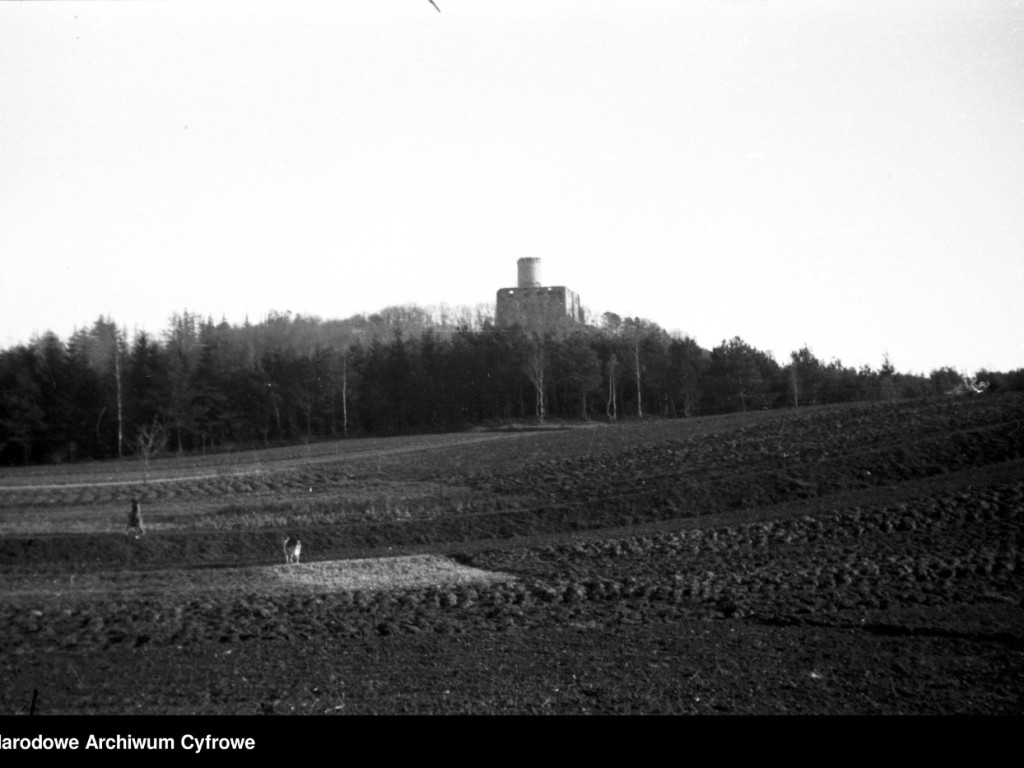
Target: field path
(258, 465)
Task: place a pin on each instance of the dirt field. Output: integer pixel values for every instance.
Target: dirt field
(860, 559)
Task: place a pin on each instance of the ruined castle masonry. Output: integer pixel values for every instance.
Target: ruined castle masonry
(535, 307)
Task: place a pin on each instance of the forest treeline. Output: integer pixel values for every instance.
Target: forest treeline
(203, 386)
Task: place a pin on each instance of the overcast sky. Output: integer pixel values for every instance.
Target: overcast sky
(845, 174)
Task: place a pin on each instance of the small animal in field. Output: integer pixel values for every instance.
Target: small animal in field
(135, 518)
(292, 549)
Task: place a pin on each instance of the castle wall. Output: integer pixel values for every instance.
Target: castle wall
(537, 308)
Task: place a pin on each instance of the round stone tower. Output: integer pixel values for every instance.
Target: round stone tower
(529, 273)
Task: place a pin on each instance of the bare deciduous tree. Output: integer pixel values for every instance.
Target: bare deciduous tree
(535, 364)
(150, 440)
(610, 407)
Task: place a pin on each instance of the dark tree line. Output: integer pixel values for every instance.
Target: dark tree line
(205, 386)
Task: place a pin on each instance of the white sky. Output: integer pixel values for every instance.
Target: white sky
(847, 174)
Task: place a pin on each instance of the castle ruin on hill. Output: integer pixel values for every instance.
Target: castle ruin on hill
(535, 307)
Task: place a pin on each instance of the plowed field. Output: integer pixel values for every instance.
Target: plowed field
(857, 559)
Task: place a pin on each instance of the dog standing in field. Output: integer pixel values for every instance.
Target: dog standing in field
(135, 518)
(292, 549)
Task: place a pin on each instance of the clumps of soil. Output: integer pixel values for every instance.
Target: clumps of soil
(851, 568)
(859, 560)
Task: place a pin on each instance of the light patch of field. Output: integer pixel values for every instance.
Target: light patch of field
(373, 574)
(411, 571)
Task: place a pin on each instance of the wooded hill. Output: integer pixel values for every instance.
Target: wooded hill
(205, 386)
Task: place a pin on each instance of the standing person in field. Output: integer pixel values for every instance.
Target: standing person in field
(135, 518)
(292, 549)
